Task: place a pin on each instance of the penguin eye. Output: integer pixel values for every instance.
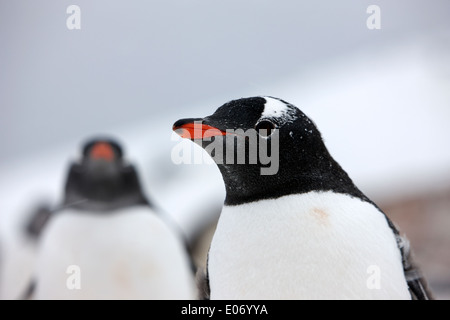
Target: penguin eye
(265, 128)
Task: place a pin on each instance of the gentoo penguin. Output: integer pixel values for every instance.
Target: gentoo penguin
(106, 241)
(296, 228)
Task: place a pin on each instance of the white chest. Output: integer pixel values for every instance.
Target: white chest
(309, 246)
(125, 255)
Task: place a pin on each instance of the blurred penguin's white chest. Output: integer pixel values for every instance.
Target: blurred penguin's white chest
(307, 246)
(125, 255)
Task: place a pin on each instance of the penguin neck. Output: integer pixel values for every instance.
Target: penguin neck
(118, 192)
(244, 183)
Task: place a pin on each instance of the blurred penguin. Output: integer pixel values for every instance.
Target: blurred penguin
(107, 241)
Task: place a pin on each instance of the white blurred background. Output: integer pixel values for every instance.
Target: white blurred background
(381, 99)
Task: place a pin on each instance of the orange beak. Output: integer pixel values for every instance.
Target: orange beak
(102, 150)
(194, 129)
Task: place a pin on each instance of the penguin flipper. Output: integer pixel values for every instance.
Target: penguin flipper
(28, 294)
(202, 280)
(37, 222)
(417, 284)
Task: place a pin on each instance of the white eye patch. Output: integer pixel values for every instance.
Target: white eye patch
(279, 111)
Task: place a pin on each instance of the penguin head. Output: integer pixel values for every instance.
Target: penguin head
(266, 148)
(102, 159)
(103, 177)
(282, 146)
(261, 115)
(102, 149)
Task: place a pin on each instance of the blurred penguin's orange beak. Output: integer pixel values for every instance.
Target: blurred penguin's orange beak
(102, 150)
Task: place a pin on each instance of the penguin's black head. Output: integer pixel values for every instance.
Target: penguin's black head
(106, 149)
(102, 159)
(265, 148)
(102, 179)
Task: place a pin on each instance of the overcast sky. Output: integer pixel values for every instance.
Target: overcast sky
(135, 60)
